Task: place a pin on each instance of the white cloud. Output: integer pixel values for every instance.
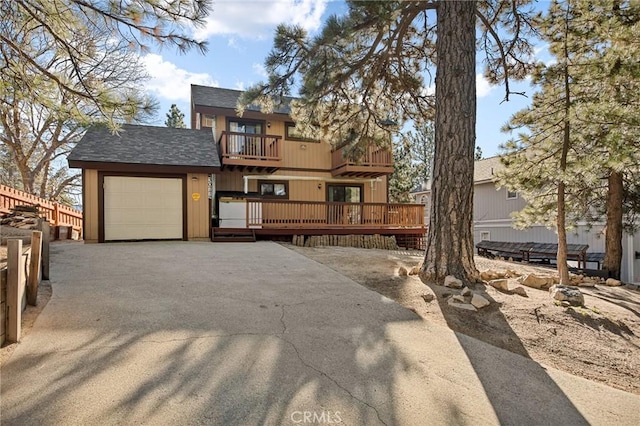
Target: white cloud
(260, 70)
(170, 82)
(483, 87)
(258, 18)
(239, 85)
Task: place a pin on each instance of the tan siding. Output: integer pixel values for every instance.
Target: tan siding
(197, 210)
(221, 124)
(306, 190)
(376, 192)
(90, 207)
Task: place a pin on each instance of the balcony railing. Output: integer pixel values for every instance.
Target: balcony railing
(263, 213)
(375, 161)
(251, 150)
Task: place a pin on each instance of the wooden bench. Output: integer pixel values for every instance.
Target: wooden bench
(537, 251)
(550, 251)
(502, 249)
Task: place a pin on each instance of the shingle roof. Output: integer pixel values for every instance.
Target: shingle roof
(227, 98)
(135, 144)
(485, 169)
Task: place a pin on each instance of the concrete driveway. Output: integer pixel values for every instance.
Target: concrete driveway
(251, 334)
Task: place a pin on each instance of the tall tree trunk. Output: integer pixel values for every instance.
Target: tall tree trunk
(613, 238)
(563, 269)
(450, 239)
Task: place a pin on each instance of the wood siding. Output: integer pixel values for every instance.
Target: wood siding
(304, 190)
(198, 221)
(90, 205)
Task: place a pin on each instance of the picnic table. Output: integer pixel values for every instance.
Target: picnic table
(529, 250)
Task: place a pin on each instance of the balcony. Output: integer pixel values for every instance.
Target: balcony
(280, 214)
(248, 151)
(375, 161)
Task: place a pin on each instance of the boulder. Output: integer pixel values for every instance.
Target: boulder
(587, 282)
(402, 271)
(520, 291)
(458, 298)
(479, 302)
(501, 284)
(428, 297)
(415, 270)
(465, 291)
(567, 294)
(510, 273)
(488, 275)
(466, 306)
(535, 281)
(612, 282)
(452, 282)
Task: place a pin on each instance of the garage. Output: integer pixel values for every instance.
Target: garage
(146, 183)
(142, 208)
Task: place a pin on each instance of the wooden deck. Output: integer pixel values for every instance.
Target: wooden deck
(247, 151)
(263, 213)
(375, 161)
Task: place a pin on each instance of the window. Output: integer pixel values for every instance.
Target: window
(273, 189)
(485, 236)
(511, 195)
(344, 193)
(207, 121)
(294, 135)
(245, 126)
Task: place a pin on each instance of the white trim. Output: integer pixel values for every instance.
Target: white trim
(631, 255)
(318, 178)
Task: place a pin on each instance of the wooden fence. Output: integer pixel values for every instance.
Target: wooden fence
(57, 214)
(19, 282)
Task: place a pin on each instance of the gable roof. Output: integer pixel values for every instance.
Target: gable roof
(217, 97)
(484, 170)
(147, 145)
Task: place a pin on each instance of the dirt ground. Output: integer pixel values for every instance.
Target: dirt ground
(600, 341)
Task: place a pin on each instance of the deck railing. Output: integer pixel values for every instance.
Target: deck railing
(373, 156)
(309, 214)
(56, 214)
(249, 147)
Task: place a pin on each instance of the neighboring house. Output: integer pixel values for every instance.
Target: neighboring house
(235, 173)
(493, 207)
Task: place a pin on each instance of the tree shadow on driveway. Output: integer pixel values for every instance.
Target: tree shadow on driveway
(520, 391)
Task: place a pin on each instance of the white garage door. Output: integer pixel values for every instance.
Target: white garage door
(137, 208)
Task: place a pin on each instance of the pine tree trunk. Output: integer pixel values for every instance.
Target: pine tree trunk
(613, 238)
(561, 258)
(449, 248)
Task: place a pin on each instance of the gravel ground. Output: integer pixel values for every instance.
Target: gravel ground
(599, 341)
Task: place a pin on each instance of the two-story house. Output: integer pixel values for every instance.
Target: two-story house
(233, 175)
(492, 219)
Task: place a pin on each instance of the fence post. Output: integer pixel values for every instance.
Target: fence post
(34, 268)
(14, 300)
(56, 212)
(46, 237)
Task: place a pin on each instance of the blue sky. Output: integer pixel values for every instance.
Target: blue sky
(240, 34)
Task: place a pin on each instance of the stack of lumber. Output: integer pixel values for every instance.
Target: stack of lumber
(23, 217)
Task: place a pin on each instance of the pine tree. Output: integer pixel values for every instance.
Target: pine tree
(77, 34)
(404, 176)
(581, 129)
(478, 155)
(372, 62)
(175, 118)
